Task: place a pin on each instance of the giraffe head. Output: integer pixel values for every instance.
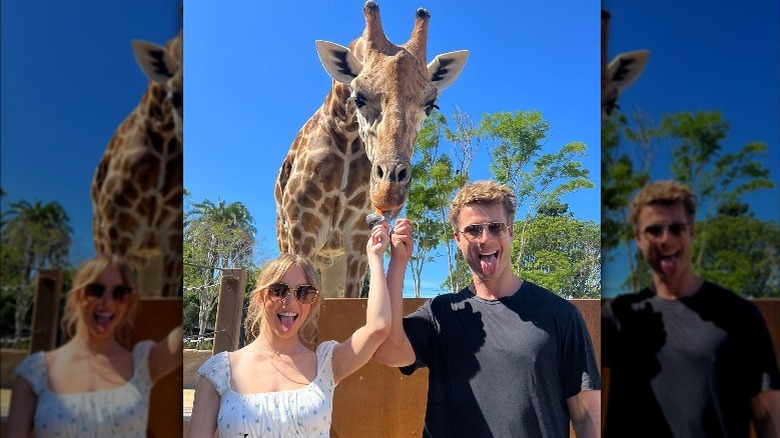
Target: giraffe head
(391, 91)
(163, 66)
(619, 73)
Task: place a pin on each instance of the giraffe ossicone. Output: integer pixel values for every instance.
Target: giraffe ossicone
(620, 72)
(353, 156)
(137, 187)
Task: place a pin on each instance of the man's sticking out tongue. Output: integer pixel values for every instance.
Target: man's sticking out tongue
(669, 264)
(488, 263)
(103, 320)
(287, 320)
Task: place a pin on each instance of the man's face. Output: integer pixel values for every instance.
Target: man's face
(665, 239)
(486, 242)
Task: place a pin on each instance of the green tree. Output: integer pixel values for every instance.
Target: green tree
(723, 250)
(434, 183)
(563, 253)
(742, 255)
(625, 167)
(34, 236)
(517, 160)
(715, 177)
(216, 236)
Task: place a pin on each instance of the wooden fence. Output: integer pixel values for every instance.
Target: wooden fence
(375, 401)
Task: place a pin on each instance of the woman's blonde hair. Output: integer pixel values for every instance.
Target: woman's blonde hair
(273, 272)
(89, 272)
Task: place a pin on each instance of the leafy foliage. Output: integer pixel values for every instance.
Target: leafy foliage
(731, 247)
(216, 236)
(34, 236)
(562, 254)
(516, 144)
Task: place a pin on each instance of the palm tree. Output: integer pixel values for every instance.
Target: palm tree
(216, 236)
(36, 236)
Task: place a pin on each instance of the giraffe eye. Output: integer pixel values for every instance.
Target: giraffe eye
(359, 100)
(430, 106)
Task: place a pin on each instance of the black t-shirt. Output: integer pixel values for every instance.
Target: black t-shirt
(686, 367)
(501, 368)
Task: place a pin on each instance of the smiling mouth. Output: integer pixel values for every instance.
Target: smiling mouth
(488, 262)
(103, 320)
(286, 320)
(668, 262)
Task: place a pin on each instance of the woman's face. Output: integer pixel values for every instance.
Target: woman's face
(105, 302)
(284, 314)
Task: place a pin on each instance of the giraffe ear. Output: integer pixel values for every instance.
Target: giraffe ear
(445, 68)
(339, 61)
(155, 62)
(626, 67)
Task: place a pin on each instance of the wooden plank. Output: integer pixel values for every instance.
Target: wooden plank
(45, 310)
(229, 307)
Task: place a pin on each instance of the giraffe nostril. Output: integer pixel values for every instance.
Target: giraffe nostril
(403, 174)
(380, 173)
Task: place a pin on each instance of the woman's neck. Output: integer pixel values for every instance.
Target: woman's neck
(270, 342)
(83, 341)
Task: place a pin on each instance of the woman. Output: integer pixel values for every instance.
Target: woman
(276, 386)
(93, 385)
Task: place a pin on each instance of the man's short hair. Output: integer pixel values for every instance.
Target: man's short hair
(663, 193)
(486, 193)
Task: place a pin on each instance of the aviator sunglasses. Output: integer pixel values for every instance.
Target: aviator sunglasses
(474, 231)
(657, 231)
(304, 293)
(120, 293)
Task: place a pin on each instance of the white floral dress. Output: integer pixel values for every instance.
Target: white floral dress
(117, 412)
(303, 412)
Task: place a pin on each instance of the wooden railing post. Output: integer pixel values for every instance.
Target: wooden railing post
(48, 287)
(229, 307)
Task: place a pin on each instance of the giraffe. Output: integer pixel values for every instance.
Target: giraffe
(621, 72)
(137, 187)
(353, 156)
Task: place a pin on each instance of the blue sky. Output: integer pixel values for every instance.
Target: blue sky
(253, 78)
(69, 78)
(704, 56)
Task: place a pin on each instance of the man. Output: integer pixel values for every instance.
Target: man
(507, 358)
(684, 357)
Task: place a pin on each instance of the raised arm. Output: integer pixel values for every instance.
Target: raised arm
(358, 349)
(166, 355)
(396, 351)
(22, 409)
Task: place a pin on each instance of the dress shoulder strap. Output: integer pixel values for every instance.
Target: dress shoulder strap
(217, 370)
(33, 370)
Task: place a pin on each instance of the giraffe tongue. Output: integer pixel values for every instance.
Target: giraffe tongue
(287, 322)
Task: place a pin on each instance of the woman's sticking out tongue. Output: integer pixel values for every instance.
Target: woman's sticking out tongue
(287, 320)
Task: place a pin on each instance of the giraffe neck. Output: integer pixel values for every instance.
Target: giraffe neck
(337, 116)
(156, 113)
